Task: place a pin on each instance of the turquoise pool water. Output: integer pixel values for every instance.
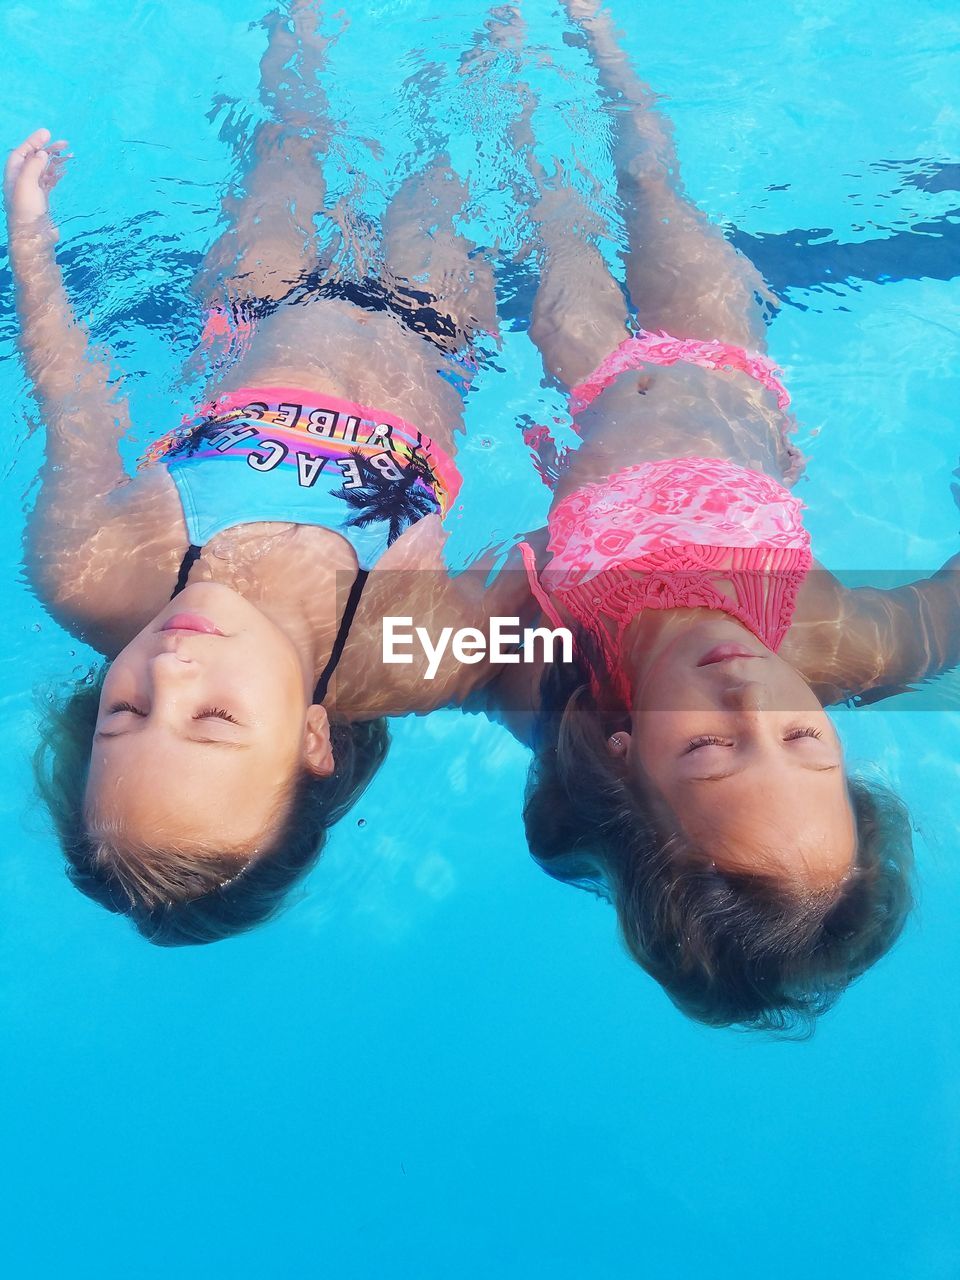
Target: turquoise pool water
(437, 1062)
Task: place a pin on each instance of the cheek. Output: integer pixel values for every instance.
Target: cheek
(278, 710)
(284, 694)
(264, 666)
(119, 673)
(673, 690)
(652, 751)
(790, 692)
(663, 732)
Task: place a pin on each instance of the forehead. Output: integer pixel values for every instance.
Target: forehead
(798, 827)
(166, 791)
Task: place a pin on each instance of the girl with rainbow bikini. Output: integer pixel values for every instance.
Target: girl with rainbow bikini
(238, 581)
(686, 767)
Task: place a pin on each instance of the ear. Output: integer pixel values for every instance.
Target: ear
(317, 751)
(618, 744)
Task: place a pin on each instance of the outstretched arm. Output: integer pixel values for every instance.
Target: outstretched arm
(83, 500)
(83, 415)
(870, 642)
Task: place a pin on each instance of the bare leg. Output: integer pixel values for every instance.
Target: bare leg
(270, 241)
(270, 244)
(683, 276)
(425, 253)
(579, 312)
(422, 245)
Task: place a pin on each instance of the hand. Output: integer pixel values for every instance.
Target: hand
(32, 171)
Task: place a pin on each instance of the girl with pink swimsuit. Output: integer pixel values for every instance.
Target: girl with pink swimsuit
(686, 767)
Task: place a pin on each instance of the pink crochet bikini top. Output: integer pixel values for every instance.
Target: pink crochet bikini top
(680, 533)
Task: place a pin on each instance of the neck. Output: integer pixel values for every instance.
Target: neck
(649, 634)
(302, 595)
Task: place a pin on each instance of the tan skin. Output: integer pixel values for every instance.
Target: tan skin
(201, 735)
(740, 751)
(742, 748)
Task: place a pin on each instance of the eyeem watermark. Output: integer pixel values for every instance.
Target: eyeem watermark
(506, 643)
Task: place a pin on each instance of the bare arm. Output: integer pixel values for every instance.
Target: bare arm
(870, 642)
(85, 503)
(83, 416)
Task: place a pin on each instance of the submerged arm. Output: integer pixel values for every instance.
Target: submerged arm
(83, 418)
(80, 528)
(871, 642)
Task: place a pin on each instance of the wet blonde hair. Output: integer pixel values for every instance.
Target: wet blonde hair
(179, 896)
(727, 948)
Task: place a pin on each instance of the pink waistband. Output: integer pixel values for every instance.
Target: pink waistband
(316, 415)
(660, 348)
(646, 348)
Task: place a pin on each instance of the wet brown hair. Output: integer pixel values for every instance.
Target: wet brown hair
(726, 948)
(175, 897)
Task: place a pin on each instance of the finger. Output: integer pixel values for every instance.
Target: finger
(39, 138)
(26, 148)
(54, 147)
(33, 167)
(52, 175)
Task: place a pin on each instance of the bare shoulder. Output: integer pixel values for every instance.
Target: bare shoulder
(104, 568)
(848, 641)
(412, 591)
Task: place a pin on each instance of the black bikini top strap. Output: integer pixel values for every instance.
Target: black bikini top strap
(190, 558)
(340, 643)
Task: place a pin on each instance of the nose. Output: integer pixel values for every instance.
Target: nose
(746, 695)
(171, 669)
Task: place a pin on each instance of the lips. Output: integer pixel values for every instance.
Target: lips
(726, 653)
(191, 622)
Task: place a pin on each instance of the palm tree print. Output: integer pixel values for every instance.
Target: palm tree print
(396, 503)
(184, 442)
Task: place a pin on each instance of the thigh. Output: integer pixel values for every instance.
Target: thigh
(579, 313)
(684, 277)
(426, 254)
(270, 241)
(270, 209)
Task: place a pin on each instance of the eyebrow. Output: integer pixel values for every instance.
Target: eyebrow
(200, 742)
(731, 773)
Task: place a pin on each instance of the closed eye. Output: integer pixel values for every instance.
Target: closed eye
(125, 706)
(215, 713)
(706, 741)
(710, 740)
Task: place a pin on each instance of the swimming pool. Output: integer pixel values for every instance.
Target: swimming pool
(437, 1062)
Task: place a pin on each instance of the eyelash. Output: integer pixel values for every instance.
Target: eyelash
(217, 713)
(706, 741)
(709, 741)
